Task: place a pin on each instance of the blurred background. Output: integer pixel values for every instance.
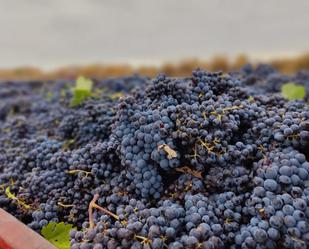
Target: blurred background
(40, 37)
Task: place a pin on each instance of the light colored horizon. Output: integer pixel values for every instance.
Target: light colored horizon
(51, 34)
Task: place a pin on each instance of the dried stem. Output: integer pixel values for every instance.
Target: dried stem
(93, 205)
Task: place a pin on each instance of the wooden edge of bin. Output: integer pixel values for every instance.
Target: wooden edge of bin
(16, 235)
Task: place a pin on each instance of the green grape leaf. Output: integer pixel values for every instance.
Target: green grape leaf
(58, 234)
(251, 98)
(81, 91)
(83, 83)
(12, 196)
(49, 96)
(292, 91)
(79, 96)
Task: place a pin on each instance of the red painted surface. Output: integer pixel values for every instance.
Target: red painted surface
(16, 235)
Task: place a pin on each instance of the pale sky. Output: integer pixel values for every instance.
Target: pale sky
(54, 33)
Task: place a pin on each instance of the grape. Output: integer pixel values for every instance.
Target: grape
(212, 160)
(259, 235)
(270, 185)
(289, 221)
(299, 204)
(273, 234)
(97, 246)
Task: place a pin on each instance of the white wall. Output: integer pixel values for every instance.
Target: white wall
(58, 32)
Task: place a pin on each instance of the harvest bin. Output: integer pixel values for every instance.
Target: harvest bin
(16, 235)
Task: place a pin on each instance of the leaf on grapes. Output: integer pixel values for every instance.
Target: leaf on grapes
(81, 91)
(170, 152)
(49, 96)
(12, 196)
(9, 194)
(292, 91)
(58, 234)
(250, 99)
(68, 144)
(83, 83)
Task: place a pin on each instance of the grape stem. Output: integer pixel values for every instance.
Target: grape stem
(93, 205)
(74, 171)
(65, 205)
(144, 240)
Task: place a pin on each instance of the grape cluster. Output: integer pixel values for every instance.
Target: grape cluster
(209, 161)
(265, 79)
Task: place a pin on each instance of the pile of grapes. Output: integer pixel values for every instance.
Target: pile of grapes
(214, 160)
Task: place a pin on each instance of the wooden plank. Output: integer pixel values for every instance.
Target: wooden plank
(16, 235)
